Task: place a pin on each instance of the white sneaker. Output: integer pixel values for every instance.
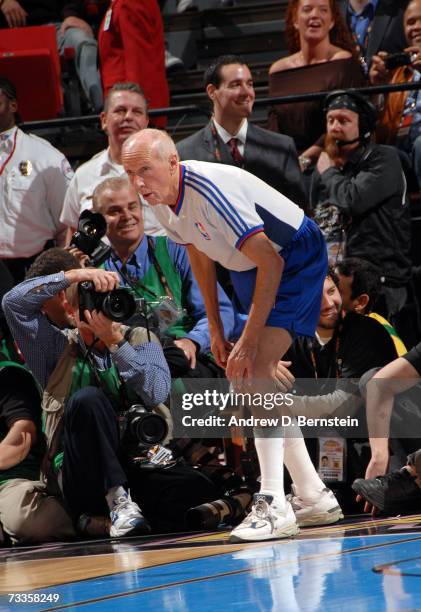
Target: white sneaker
(173, 63)
(184, 5)
(265, 522)
(324, 511)
(127, 519)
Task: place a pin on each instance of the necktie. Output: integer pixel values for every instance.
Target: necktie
(235, 153)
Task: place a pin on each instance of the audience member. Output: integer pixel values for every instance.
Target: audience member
(360, 287)
(86, 374)
(125, 112)
(33, 180)
(131, 48)
(158, 268)
(400, 120)
(375, 25)
(344, 348)
(72, 31)
(359, 197)
(320, 59)
(230, 139)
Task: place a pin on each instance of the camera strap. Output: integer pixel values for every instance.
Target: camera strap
(163, 280)
(138, 284)
(99, 380)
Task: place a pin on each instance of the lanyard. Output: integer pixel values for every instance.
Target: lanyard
(10, 155)
(216, 147)
(338, 360)
(155, 263)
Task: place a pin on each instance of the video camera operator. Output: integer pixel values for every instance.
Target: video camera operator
(156, 269)
(87, 374)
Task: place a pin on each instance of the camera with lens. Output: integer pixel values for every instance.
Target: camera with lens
(91, 228)
(394, 60)
(118, 304)
(141, 428)
(229, 510)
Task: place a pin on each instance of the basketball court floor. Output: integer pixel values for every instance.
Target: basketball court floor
(356, 565)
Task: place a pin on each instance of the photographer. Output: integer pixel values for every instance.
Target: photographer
(158, 270)
(400, 121)
(28, 512)
(87, 374)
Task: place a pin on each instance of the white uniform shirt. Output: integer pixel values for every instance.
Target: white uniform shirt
(220, 206)
(33, 182)
(81, 189)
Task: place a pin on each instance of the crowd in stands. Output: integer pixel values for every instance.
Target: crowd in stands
(346, 161)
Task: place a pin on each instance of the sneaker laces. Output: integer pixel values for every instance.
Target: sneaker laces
(261, 509)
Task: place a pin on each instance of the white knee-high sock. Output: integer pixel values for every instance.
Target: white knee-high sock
(270, 452)
(303, 473)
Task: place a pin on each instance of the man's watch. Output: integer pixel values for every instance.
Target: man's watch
(113, 348)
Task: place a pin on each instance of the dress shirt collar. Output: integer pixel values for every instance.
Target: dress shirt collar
(226, 136)
(6, 140)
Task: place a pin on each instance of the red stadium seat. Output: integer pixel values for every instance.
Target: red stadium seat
(29, 58)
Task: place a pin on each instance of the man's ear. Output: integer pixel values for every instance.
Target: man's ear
(103, 119)
(361, 303)
(210, 90)
(173, 159)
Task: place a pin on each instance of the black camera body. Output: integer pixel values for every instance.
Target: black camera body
(91, 228)
(117, 305)
(141, 428)
(394, 60)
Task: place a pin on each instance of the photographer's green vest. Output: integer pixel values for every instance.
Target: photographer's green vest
(163, 279)
(74, 372)
(30, 467)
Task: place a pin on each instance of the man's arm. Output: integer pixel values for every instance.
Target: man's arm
(141, 365)
(204, 271)
(379, 177)
(394, 378)
(40, 342)
(270, 266)
(193, 301)
(17, 443)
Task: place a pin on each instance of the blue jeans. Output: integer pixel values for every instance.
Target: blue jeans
(86, 56)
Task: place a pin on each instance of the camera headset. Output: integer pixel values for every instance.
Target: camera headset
(358, 103)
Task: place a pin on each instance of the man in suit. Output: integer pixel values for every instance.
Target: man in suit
(229, 138)
(377, 25)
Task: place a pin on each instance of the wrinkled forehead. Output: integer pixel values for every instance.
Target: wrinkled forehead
(139, 154)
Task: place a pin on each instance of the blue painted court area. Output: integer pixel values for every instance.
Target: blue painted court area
(372, 573)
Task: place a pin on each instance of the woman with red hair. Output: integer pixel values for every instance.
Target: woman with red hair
(321, 58)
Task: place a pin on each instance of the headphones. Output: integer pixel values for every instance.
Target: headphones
(366, 110)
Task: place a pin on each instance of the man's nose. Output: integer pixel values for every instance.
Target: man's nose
(137, 181)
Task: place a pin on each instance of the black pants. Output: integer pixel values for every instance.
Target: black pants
(92, 462)
(179, 365)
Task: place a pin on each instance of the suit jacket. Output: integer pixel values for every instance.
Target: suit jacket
(387, 33)
(269, 156)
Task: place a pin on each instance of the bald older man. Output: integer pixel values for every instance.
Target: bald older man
(223, 213)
